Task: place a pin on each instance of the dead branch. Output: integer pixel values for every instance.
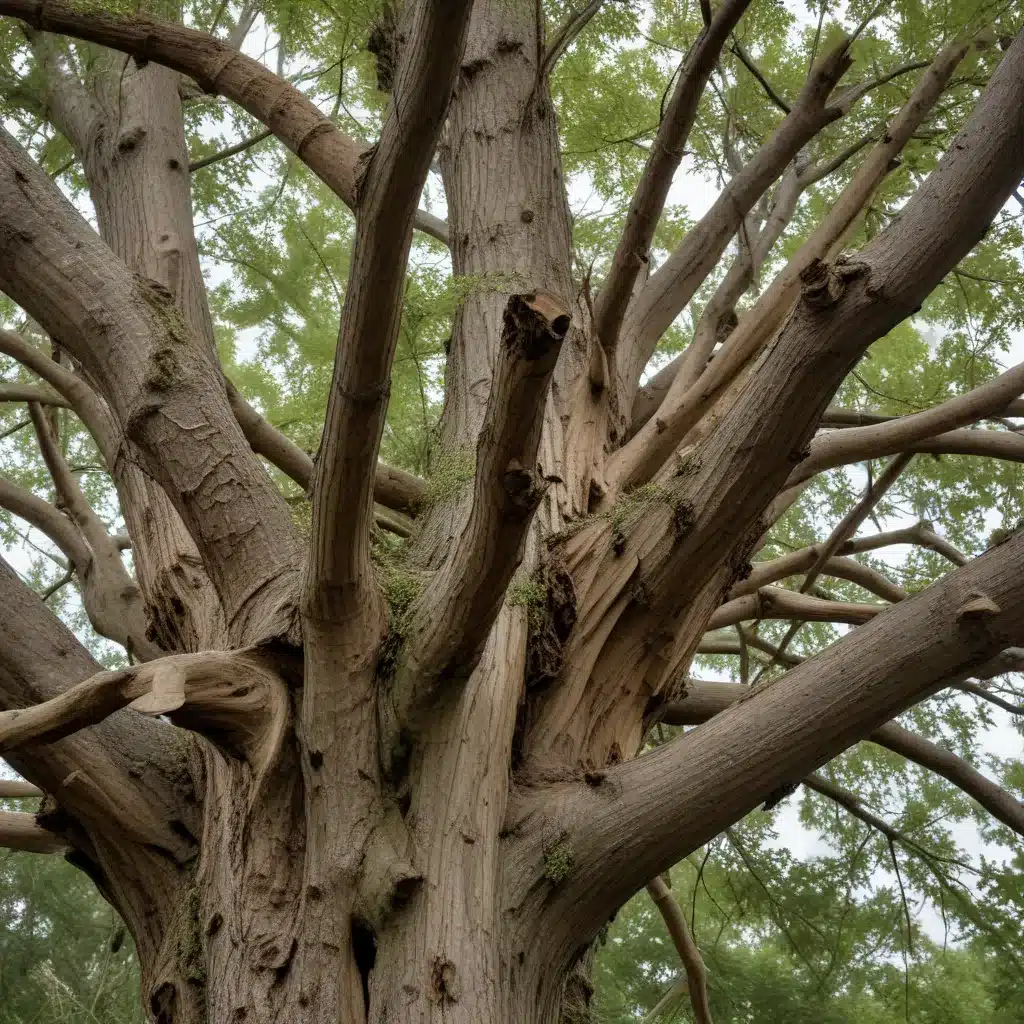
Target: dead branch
(666, 153)
(689, 954)
(680, 410)
(20, 832)
(993, 698)
(992, 444)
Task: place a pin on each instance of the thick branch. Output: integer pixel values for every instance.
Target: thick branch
(631, 254)
(704, 700)
(232, 696)
(16, 789)
(459, 606)
(651, 811)
(220, 69)
(163, 390)
(20, 832)
(854, 444)
(389, 193)
(689, 954)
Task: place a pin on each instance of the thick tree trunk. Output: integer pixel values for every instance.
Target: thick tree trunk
(382, 809)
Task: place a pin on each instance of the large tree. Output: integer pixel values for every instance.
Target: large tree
(374, 756)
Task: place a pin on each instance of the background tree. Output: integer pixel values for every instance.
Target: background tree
(371, 755)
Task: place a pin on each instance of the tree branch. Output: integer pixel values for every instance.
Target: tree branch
(16, 789)
(631, 253)
(745, 59)
(798, 562)
(164, 391)
(20, 832)
(88, 406)
(565, 36)
(220, 69)
(680, 410)
(704, 700)
(672, 286)
(855, 444)
(46, 519)
(776, 603)
(394, 488)
(389, 193)
(28, 393)
(454, 617)
(230, 151)
(649, 812)
(689, 954)
(234, 697)
(112, 599)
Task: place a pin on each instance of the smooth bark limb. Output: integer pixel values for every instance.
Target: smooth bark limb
(854, 444)
(631, 253)
(29, 393)
(21, 832)
(776, 603)
(640, 458)
(798, 562)
(16, 789)
(675, 921)
(651, 811)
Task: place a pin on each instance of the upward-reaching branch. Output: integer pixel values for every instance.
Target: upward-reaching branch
(675, 282)
(456, 612)
(631, 254)
(681, 409)
(388, 195)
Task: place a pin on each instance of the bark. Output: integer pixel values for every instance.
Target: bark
(415, 799)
